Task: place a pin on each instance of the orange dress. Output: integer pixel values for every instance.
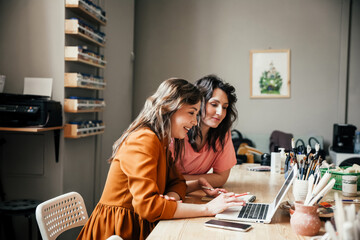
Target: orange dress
(130, 205)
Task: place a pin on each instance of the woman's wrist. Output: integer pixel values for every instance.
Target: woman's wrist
(205, 210)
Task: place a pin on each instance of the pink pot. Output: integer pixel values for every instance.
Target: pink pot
(305, 220)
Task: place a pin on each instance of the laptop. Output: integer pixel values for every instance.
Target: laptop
(259, 212)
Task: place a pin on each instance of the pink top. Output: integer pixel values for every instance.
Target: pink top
(201, 162)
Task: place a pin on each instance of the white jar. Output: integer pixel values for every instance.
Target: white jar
(349, 185)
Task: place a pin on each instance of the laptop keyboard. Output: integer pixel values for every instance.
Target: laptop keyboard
(254, 211)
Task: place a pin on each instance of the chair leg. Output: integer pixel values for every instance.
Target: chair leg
(30, 227)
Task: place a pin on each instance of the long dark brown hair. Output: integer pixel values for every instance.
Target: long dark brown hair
(208, 84)
(170, 96)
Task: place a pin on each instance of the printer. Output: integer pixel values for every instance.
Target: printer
(21, 110)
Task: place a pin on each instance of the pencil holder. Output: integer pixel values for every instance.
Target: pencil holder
(300, 189)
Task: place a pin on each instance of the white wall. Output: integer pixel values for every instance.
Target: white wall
(193, 38)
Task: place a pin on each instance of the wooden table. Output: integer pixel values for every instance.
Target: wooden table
(262, 184)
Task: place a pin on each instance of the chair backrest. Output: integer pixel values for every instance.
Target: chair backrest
(60, 214)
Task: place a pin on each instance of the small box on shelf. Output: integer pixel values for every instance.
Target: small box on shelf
(84, 128)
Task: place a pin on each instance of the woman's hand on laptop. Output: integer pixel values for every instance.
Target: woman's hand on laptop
(222, 202)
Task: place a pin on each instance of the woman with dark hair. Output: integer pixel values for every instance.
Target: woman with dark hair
(209, 144)
(143, 185)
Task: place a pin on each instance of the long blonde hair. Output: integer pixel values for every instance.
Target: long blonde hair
(171, 95)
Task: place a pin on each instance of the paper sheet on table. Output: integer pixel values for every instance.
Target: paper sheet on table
(38, 86)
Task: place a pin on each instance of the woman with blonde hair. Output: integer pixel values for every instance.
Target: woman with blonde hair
(143, 185)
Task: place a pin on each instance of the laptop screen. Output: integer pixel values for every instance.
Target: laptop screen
(284, 186)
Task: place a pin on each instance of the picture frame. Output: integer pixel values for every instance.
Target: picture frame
(270, 73)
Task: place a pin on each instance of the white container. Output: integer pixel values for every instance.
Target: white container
(282, 159)
(2, 83)
(300, 189)
(349, 185)
(275, 162)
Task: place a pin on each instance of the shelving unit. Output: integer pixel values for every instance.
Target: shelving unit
(83, 23)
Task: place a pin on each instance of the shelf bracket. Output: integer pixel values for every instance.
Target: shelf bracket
(57, 143)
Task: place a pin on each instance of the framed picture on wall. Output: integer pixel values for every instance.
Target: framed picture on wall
(270, 73)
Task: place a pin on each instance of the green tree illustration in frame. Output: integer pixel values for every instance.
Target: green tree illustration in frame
(270, 73)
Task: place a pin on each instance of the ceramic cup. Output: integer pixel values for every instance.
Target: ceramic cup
(300, 189)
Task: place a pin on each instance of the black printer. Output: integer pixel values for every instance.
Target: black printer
(20, 110)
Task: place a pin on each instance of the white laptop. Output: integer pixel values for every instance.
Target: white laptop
(259, 212)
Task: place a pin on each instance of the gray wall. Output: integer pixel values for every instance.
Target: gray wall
(31, 46)
(354, 70)
(190, 39)
(118, 94)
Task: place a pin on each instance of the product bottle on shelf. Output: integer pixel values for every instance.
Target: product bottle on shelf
(357, 142)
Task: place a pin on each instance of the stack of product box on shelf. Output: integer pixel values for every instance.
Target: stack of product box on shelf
(83, 25)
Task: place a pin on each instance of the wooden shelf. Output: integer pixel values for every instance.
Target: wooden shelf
(72, 54)
(71, 81)
(71, 28)
(72, 106)
(32, 129)
(80, 10)
(36, 129)
(86, 37)
(84, 111)
(72, 131)
(84, 61)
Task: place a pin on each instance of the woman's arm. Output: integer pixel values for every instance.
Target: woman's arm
(216, 179)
